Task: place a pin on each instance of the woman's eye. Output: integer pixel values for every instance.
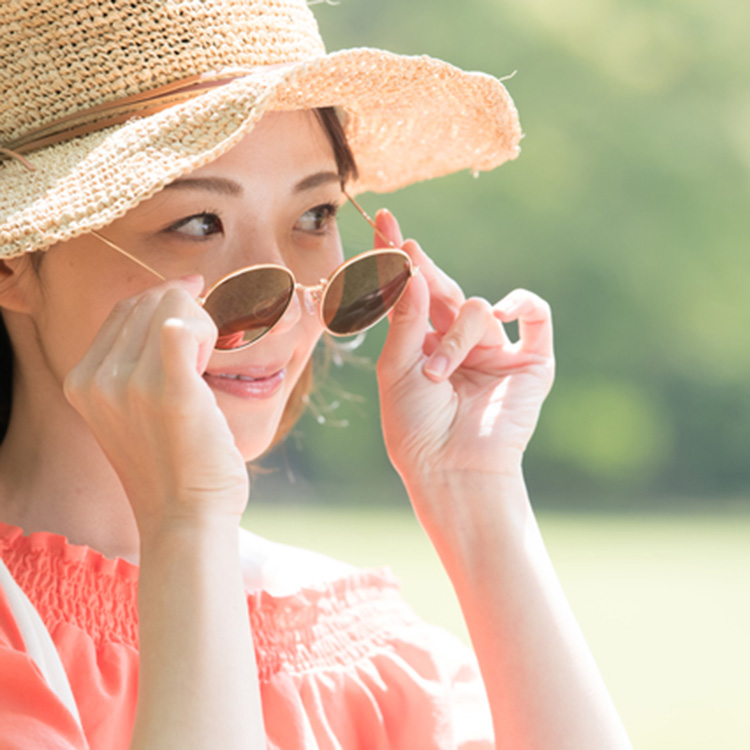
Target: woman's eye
(200, 225)
(317, 219)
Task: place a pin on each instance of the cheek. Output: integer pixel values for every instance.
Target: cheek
(65, 337)
(313, 330)
(75, 305)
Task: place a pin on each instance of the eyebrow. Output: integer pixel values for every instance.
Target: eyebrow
(219, 185)
(317, 179)
(224, 186)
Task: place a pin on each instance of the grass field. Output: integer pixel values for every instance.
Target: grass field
(663, 600)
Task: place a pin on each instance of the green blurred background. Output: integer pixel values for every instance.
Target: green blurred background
(628, 210)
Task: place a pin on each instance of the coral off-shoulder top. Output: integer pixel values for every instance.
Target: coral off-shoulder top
(343, 662)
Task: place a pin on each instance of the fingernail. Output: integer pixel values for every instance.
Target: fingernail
(382, 213)
(436, 366)
(507, 307)
(192, 278)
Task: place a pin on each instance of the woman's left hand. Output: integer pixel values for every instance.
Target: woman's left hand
(456, 394)
(457, 435)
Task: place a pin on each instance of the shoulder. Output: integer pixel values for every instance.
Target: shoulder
(32, 714)
(10, 634)
(351, 653)
(282, 570)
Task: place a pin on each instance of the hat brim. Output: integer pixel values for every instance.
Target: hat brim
(407, 119)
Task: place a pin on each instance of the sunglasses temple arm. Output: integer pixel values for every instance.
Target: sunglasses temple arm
(367, 218)
(128, 255)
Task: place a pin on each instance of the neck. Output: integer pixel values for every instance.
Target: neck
(54, 476)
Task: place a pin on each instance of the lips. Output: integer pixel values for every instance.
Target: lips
(249, 383)
(246, 378)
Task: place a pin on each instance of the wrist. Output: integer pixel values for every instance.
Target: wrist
(475, 493)
(191, 535)
(468, 514)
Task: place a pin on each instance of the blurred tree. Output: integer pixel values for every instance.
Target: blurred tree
(627, 210)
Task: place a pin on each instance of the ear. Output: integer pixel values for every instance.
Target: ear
(15, 289)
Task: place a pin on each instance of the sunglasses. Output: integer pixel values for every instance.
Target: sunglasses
(245, 305)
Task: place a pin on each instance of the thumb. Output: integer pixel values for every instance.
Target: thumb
(409, 325)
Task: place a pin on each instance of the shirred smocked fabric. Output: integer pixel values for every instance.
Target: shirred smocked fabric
(345, 664)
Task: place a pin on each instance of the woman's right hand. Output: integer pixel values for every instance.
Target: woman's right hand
(139, 388)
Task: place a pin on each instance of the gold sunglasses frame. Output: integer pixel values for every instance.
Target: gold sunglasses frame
(312, 294)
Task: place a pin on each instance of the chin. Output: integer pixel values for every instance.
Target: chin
(251, 456)
(253, 434)
(252, 447)
(254, 416)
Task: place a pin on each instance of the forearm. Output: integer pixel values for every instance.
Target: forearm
(544, 687)
(198, 686)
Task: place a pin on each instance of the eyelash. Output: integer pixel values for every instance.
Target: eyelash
(205, 215)
(328, 211)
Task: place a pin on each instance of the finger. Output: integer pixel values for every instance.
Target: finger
(534, 320)
(183, 343)
(431, 343)
(104, 339)
(118, 342)
(197, 321)
(469, 328)
(125, 332)
(134, 357)
(127, 348)
(387, 230)
(446, 296)
(176, 303)
(408, 327)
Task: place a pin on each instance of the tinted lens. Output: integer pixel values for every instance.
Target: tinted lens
(360, 294)
(248, 305)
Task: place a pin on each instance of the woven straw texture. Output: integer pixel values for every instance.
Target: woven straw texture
(408, 118)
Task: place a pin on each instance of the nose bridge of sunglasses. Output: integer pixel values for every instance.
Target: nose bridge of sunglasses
(311, 295)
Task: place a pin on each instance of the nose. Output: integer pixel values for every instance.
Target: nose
(291, 317)
(267, 248)
(310, 296)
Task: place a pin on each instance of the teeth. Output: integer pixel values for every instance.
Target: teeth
(238, 377)
(245, 378)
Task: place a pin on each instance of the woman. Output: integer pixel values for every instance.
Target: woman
(185, 141)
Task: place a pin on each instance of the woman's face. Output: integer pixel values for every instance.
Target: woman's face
(271, 199)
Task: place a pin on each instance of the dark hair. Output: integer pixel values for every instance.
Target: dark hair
(347, 169)
(345, 164)
(6, 378)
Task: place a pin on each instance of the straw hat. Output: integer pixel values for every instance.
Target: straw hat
(110, 100)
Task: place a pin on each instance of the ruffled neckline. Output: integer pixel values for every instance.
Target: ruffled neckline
(75, 585)
(48, 542)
